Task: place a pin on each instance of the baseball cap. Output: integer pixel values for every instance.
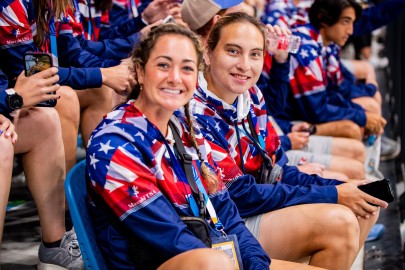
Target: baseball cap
(196, 13)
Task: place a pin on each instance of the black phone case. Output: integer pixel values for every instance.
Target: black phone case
(380, 189)
(36, 62)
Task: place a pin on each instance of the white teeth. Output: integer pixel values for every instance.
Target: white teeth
(240, 77)
(172, 91)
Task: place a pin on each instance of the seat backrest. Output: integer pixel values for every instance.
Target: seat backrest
(76, 196)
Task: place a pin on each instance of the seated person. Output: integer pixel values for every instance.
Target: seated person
(43, 162)
(231, 113)
(137, 182)
(320, 93)
(337, 154)
(275, 79)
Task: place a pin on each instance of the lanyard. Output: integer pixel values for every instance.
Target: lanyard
(53, 42)
(193, 179)
(132, 10)
(77, 11)
(257, 140)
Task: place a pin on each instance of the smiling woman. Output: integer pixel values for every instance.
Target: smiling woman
(293, 215)
(141, 189)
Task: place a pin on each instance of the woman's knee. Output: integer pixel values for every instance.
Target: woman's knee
(200, 259)
(68, 105)
(7, 150)
(352, 130)
(358, 150)
(355, 169)
(47, 122)
(346, 227)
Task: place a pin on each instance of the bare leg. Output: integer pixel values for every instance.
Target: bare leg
(369, 104)
(44, 166)
(6, 168)
(352, 168)
(329, 233)
(350, 148)
(69, 114)
(198, 259)
(94, 104)
(333, 174)
(365, 227)
(343, 128)
(286, 265)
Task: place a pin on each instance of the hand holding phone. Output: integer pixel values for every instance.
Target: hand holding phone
(380, 189)
(311, 130)
(36, 62)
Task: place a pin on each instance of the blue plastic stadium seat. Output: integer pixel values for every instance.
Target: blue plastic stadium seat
(76, 196)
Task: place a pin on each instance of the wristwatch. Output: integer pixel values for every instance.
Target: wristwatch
(14, 100)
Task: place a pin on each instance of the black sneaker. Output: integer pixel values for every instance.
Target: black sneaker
(390, 148)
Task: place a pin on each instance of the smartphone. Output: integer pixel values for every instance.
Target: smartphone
(311, 130)
(380, 189)
(36, 62)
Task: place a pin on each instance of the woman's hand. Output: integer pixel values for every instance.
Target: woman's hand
(280, 56)
(120, 78)
(301, 126)
(298, 139)
(7, 128)
(37, 88)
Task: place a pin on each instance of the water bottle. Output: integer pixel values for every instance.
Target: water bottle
(288, 43)
(370, 139)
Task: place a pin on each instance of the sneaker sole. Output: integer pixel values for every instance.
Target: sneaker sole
(47, 266)
(392, 156)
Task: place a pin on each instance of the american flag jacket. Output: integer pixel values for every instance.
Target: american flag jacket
(317, 83)
(286, 13)
(130, 168)
(218, 122)
(17, 28)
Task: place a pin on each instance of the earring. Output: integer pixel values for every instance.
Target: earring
(140, 86)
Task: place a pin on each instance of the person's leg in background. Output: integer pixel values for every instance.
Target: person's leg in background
(43, 160)
(69, 113)
(94, 104)
(6, 168)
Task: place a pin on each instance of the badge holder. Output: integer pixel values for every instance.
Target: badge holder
(226, 243)
(229, 244)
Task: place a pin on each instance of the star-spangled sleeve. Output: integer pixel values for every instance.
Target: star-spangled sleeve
(131, 189)
(308, 88)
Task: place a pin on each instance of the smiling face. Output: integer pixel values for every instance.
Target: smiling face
(341, 30)
(169, 76)
(236, 62)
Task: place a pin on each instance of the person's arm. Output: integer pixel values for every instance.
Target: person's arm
(121, 25)
(80, 78)
(292, 176)
(123, 179)
(379, 15)
(254, 199)
(118, 48)
(4, 109)
(350, 89)
(70, 52)
(285, 142)
(275, 87)
(310, 96)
